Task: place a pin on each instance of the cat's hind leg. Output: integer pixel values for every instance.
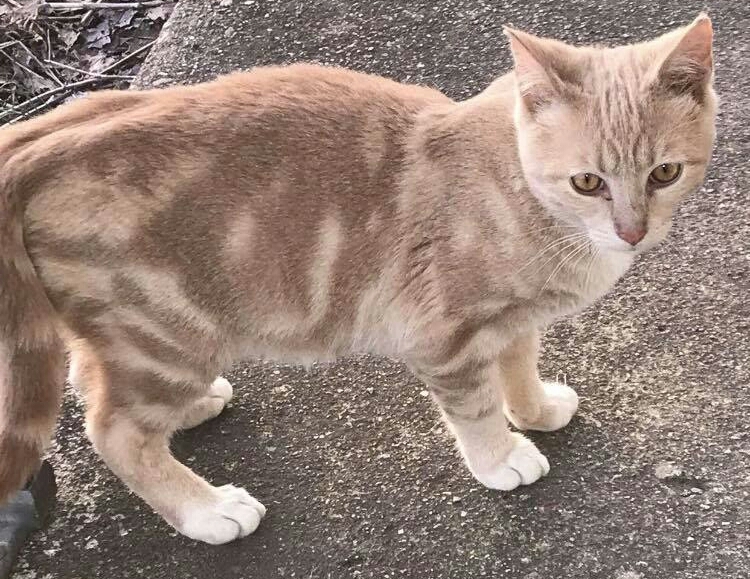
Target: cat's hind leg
(132, 414)
(208, 406)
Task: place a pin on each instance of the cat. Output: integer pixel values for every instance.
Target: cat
(302, 213)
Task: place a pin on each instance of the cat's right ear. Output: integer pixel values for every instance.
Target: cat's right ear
(546, 70)
(688, 66)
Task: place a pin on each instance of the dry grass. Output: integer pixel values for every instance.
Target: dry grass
(54, 51)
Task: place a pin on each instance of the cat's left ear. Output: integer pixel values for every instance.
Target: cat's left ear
(688, 66)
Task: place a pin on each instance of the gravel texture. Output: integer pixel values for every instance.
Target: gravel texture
(650, 481)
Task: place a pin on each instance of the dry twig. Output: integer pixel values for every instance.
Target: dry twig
(101, 5)
(22, 66)
(33, 57)
(53, 100)
(123, 60)
(86, 19)
(57, 94)
(80, 70)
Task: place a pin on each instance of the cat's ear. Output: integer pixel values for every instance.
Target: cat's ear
(546, 70)
(687, 68)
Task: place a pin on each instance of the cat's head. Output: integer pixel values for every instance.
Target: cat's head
(611, 139)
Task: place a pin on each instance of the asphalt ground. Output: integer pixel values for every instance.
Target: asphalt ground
(650, 480)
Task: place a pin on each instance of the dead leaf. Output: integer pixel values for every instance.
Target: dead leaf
(125, 18)
(99, 62)
(22, 56)
(99, 36)
(31, 82)
(68, 37)
(159, 12)
(28, 12)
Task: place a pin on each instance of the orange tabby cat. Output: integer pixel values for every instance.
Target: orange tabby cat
(301, 213)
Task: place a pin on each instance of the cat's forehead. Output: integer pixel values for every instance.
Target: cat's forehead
(620, 112)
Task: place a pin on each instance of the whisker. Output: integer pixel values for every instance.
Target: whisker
(556, 243)
(587, 278)
(581, 258)
(558, 226)
(578, 250)
(570, 244)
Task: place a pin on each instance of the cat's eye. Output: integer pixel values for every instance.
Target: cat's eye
(587, 183)
(665, 174)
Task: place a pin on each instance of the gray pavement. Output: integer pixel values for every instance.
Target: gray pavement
(650, 481)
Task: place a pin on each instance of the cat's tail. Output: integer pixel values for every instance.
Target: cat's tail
(32, 354)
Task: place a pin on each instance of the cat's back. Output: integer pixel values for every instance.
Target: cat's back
(311, 85)
(121, 155)
(302, 105)
(272, 95)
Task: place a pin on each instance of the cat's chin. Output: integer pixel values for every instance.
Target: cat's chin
(629, 250)
(613, 246)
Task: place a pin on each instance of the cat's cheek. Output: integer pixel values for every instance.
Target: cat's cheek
(660, 219)
(561, 203)
(601, 230)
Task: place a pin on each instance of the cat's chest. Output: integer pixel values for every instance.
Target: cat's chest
(578, 289)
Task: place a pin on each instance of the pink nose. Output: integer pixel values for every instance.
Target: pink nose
(631, 234)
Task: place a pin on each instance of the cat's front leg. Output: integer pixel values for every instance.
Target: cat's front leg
(531, 404)
(471, 401)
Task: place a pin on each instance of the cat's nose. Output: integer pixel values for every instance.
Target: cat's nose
(632, 234)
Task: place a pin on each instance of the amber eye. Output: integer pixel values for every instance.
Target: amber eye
(587, 183)
(665, 174)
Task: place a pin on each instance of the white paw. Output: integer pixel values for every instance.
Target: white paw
(523, 465)
(222, 389)
(559, 405)
(232, 515)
